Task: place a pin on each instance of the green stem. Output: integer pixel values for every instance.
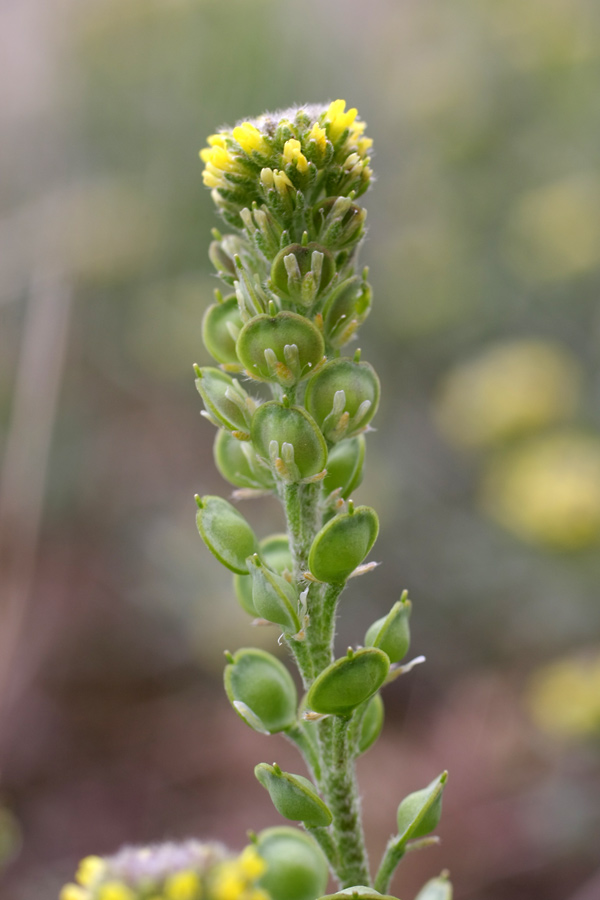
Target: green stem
(341, 794)
(394, 852)
(325, 841)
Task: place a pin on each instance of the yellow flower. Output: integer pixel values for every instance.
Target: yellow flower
(292, 152)
(564, 697)
(89, 870)
(318, 135)
(249, 138)
(183, 885)
(115, 890)
(229, 882)
(74, 892)
(251, 863)
(338, 119)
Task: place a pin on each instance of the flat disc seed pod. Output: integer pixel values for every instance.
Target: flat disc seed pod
(294, 796)
(371, 724)
(358, 891)
(347, 682)
(226, 401)
(273, 598)
(419, 813)
(302, 272)
(342, 544)
(392, 632)
(275, 553)
(345, 466)
(290, 439)
(257, 681)
(345, 310)
(225, 532)
(238, 464)
(296, 866)
(284, 348)
(343, 397)
(220, 327)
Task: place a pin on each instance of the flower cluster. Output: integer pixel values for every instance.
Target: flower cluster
(187, 871)
(317, 151)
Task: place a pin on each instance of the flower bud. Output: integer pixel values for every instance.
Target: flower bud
(285, 348)
(419, 813)
(273, 598)
(261, 690)
(339, 222)
(302, 272)
(296, 866)
(264, 228)
(225, 532)
(436, 889)
(222, 253)
(238, 463)
(290, 439)
(293, 796)
(345, 310)
(392, 633)
(371, 724)
(347, 682)
(345, 466)
(342, 544)
(275, 553)
(343, 397)
(226, 401)
(221, 326)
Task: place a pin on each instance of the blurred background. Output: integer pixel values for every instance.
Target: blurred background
(484, 248)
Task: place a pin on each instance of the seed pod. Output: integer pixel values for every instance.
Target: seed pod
(372, 723)
(257, 681)
(436, 889)
(225, 532)
(238, 463)
(342, 397)
(346, 309)
(345, 466)
(364, 893)
(339, 222)
(342, 544)
(289, 438)
(226, 401)
(220, 328)
(419, 813)
(275, 553)
(392, 633)
(284, 348)
(296, 866)
(302, 273)
(347, 682)
(273, 598)
(293, 796)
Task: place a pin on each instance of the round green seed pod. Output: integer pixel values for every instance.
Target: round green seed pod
(296, 866)
(225, 532)
(345, 466)
(284, 348)
(392, 632)
(347, 682)
(364, 893)
(293, 796)
(257, 681)
(420, 812)
(273, 598)
(226, 401)
(237, 462)
(342, 544)
(275, 553)
(339, 222)
(290, 439)
(346, 309)
(372, 723)
(302, 273)
(343, 397)
(220, 327)
(437, 889)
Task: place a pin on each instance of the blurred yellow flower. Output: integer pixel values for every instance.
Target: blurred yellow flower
(547, 490)
(564, 697)
(509, 389)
